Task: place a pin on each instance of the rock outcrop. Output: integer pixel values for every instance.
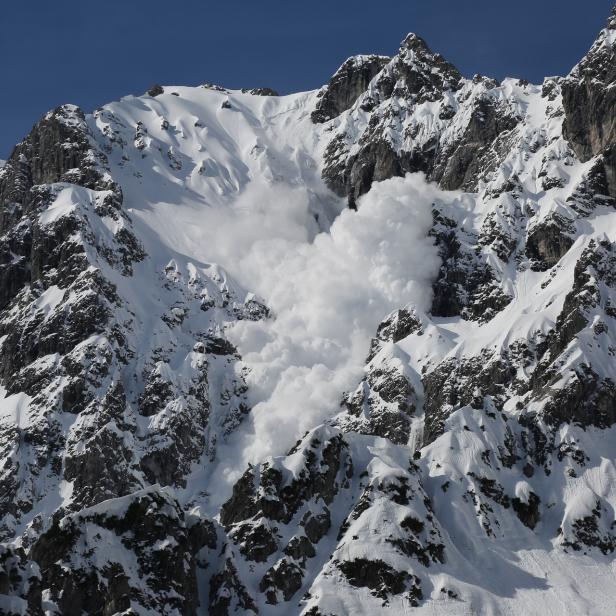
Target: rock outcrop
(346, 86)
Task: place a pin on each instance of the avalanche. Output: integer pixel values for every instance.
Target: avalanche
(327, 274)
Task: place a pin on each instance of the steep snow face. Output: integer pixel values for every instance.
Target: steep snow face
(224, 391)
(210, 145)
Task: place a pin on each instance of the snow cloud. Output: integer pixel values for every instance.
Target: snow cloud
(328, 292)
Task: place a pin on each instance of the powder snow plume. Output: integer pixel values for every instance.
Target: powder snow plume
(327, 297)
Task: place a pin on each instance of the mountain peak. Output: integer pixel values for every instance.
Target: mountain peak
(414, 49)
(414, 42)
(426, 74)
(599, 63)
(347, 84)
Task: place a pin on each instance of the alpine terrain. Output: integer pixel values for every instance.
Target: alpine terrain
(343, 352)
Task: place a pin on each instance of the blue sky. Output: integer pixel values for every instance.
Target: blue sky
(89, 52)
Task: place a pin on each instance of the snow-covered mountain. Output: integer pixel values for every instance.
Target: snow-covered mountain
(342, 352)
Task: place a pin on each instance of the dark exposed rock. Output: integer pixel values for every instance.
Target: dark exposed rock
(143, 521)
(56, 146)
(587, 531)
(609, 165)
(314, 611)
(456, 383)
(103, 469)
(547, 242)
(466, 284)
(261, 91)
(219, 346)
(376, 161)
(593, 190)
(155, 90)
(228, 595)
(317, 525)
(346, 86)
(527, 512)
(586, 398)
(382, 404)
(492, 489)
(157, 392)
(461, 165)
(589, 101)
(418, 544)
(257, 542)
(299, 548)
(284, 578)
(382, 579)
(494, 235)
(398, 325)
(326, 463)
(19, 577)
(419, 75)
(414, 77)
(426, 75)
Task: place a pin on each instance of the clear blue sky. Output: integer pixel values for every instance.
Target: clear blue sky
(90, 52)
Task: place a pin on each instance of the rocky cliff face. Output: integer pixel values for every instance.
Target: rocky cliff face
(588, 99)
(469, 466)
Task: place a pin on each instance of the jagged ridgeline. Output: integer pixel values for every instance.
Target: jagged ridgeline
(469, 469)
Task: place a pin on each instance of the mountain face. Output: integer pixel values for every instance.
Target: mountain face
(342, 352)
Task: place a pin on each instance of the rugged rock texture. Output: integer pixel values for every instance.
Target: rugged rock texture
(384, 402)
(148, 525)
(346, 86)
(588, 99)
(589, 103)
(468, 136)
(76, 368)
(261, 91)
